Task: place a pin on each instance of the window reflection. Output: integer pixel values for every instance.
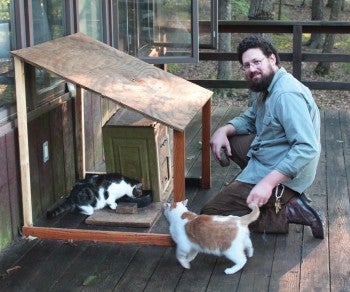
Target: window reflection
(90, 18)
(7, 91)
(48, 24)
(151, 28)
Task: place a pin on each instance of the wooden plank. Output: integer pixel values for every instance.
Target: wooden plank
(61, 257)
(179, 166)
(89, 130)
(13, 180)
(197, 278)
(57, 154)
(127, 80)
(131, 283)
(206, 129)
(68, 144)
(97, 133)
(285, 273)
(314, 272)
(80, 132)
(33, 128)
(98, 236)
(113, 266)
(27, 265)
(169, 266)
(5, 211)
(23, 141)
(338, 200)
(43, 134)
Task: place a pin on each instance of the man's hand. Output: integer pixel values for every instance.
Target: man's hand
(220, 140)
(260, 194)
(262, 191)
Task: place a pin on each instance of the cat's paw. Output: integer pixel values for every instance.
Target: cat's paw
(232, 270)
(185, 264)
(250, 252)
(113, 206)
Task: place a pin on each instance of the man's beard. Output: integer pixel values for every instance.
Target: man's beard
(262, 84)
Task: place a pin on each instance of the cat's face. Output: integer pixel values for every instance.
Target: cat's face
(137, 190)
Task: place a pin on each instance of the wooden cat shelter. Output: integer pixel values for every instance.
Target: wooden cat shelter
(133, 84)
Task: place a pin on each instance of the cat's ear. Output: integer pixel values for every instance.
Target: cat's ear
(185, 202)
(166, 206)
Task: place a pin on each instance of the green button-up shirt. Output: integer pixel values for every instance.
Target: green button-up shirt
(287, 127)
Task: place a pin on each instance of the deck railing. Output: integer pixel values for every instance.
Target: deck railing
(296, 57)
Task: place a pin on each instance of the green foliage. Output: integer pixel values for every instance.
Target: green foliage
(239, 7)
(173, 68)
(4, 10)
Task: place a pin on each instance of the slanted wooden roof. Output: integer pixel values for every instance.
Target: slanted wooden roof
(130, 82)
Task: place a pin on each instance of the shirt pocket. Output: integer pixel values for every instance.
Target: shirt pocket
(271, 129)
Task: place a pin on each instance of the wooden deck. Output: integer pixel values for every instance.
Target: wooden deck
(293, 262)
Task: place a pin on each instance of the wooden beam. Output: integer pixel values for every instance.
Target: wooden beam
(98, 236)
(80, 131)
(206, 162)
(179, 166)
(23, 142)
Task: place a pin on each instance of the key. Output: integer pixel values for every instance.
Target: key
(278, 206)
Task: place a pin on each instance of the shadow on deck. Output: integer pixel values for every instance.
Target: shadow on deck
(293, 262)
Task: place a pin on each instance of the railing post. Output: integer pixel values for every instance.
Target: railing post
(297, 50)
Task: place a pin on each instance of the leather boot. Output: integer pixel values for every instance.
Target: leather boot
(270, 222)
(299, 212)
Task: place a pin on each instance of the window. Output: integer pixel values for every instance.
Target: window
(48, 20)
(158, 31)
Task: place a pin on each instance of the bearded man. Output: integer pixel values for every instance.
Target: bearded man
(276, 142)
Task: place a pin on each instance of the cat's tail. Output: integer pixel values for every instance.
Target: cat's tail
(65, 206)
(252, 216)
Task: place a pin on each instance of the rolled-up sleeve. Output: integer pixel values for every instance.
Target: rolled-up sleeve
(245, 123)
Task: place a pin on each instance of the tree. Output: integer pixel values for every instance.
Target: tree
(323, 68)
(317, 10)
(260, 10)
(224, 67)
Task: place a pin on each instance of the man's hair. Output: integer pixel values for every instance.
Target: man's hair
(256, 41)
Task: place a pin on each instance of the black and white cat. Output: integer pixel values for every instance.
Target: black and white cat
(96, 192)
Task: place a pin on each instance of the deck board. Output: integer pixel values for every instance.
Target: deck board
(293, 262)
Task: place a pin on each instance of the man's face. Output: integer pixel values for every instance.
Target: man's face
(258, 69)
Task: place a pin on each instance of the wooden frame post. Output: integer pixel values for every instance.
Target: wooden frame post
(23, 142)
(80, 131)
(179, 166)
(206, 161)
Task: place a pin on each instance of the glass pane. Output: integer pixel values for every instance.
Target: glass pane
(48, 24)
(90, 18)
(208, 30)
(153, 28)
(7, 91)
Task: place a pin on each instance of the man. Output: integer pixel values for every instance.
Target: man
(276, 142)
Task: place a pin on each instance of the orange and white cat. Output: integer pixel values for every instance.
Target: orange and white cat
(213, 234)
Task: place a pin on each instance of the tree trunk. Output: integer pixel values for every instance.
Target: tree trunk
(260, 10)
(315, 40)
(224, 67)
(323, 68)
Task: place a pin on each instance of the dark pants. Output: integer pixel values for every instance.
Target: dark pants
(233, 199)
